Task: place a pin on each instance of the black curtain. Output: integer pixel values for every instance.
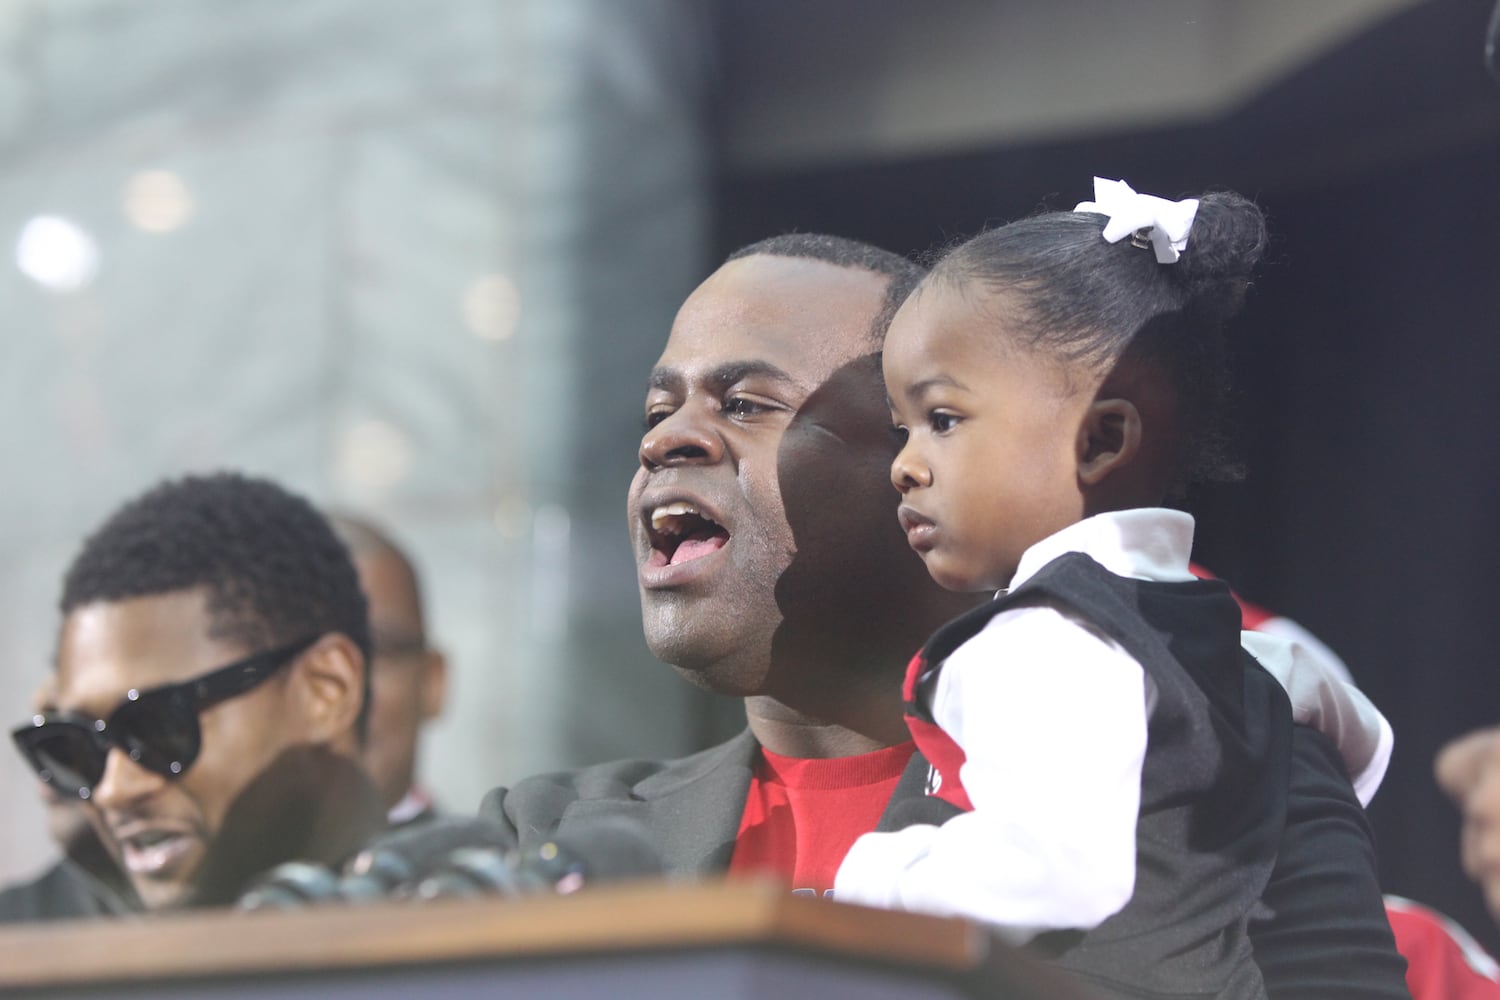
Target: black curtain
(1368, 363)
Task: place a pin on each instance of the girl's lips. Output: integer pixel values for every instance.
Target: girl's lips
(920, 531)
(922, 537)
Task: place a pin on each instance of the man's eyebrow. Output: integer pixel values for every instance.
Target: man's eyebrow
(738, 371)
(669, 379)
(665, 379)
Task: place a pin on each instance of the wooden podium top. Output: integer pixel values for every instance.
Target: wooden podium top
(639, 918)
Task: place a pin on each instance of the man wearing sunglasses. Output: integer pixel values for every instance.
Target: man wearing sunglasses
(209, 693)
(87, 879)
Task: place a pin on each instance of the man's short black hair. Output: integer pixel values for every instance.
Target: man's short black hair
(272, 567)
(904, 275)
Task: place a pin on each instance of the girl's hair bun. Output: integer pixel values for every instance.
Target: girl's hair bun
(1227, 239)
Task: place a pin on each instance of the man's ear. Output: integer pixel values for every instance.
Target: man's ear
(434, 684)
(330, 680)
(1108, 438)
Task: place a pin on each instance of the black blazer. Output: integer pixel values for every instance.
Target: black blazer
(66, 891)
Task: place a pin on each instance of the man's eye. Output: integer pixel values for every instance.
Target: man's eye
(656, 416)
(739, 406)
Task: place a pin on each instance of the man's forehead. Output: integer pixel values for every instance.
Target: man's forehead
(798, 316)
(107, 647)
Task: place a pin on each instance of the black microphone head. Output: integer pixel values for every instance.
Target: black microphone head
(375, 873)
(428, 845)
(396, 863)
(475, 871)
(603, 850)
(290, 885)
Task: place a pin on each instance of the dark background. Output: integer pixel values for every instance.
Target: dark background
(1368, 362)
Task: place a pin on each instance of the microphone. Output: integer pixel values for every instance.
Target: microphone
(465, 858)
(289, 886)
(393, 864)
(592, 852)
(475, 871)
(374, 873)
(386, 869)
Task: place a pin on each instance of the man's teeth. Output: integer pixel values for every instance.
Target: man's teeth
(666, 512)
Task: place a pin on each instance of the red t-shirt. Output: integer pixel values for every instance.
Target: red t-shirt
(1442, 961)
(802, 816)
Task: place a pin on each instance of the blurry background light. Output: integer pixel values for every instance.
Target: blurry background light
(157, 201)
(372, 457)
(492, 307)
(511, 517)
(57, 253)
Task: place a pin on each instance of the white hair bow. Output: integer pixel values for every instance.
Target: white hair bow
(1142, 216)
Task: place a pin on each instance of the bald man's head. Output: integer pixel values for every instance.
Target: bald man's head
(409, 678)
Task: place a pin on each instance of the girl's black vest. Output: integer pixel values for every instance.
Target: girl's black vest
(1213, 786)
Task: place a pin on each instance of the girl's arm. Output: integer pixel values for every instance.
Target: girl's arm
(1052, 720)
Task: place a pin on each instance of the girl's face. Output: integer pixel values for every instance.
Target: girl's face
(989, 465)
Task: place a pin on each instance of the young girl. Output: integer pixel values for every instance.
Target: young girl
(1118, 765)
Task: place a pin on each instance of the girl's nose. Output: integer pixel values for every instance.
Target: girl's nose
(908, 472)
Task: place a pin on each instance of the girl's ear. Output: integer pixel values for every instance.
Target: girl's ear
(1108, 439)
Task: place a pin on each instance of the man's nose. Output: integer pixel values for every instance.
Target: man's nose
(683, 437)
(124, 782)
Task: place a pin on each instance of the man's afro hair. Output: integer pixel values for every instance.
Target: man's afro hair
(273, 570)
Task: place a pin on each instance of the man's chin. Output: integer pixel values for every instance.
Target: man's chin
(730, 676)
(158, 895)
(700, 679)
(163, 875)
(712, 647)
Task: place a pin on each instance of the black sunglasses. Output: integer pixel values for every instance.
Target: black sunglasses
(157, 728)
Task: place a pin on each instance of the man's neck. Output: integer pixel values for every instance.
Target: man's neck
(791, 732)
(833, 687)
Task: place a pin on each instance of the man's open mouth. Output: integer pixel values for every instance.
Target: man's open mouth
(680, 533)
(152, 851)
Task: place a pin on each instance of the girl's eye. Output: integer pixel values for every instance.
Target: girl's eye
(898, 433)
(942, 422)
